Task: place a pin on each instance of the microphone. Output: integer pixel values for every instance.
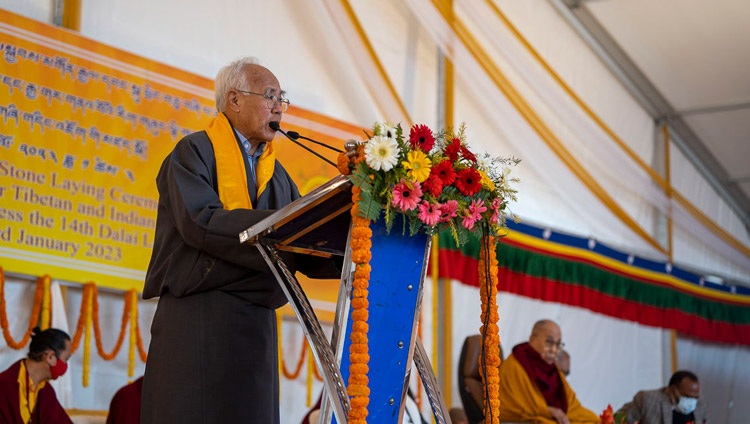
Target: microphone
(295, 134)
(275, 126)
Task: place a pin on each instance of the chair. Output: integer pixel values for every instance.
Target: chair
(470, 385)
(469, 380)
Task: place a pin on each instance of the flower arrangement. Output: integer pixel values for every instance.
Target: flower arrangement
(433, 180)
(436, 183)
(609, 417)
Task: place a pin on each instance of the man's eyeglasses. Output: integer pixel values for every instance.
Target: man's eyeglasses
(271, 100)
(553, 344)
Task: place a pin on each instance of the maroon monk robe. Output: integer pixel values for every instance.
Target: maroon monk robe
(125, 407)
(47, 409)
(545, 376)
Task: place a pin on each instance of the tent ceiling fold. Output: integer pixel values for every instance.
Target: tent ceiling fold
(688, 65)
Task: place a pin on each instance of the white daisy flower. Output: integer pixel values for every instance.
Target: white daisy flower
(484, 162)
(505, 180)
(386, 129)
(381, 152)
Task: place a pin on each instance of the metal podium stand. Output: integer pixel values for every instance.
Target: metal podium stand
(319, 224)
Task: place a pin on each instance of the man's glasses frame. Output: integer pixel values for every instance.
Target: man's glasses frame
(271, 99)
(552, 344)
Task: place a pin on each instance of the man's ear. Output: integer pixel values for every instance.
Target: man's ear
(233, 101)
(50, 357)
(674, 396)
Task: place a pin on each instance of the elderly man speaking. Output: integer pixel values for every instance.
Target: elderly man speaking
(213, 357)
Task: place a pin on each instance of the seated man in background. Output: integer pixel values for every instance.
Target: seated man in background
(125, 407)
(532, 388)
(678, 403)
(25, 395)
(563, 362)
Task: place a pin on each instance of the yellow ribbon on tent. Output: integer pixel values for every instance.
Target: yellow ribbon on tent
(230, 165)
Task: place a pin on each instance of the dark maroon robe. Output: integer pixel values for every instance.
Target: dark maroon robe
(125, 407)
(545, 376)
(47, 409)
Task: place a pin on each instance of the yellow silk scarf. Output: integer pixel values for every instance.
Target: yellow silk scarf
(230, 165)
(27, 403)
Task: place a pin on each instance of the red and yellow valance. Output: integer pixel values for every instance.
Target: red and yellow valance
(567, 270)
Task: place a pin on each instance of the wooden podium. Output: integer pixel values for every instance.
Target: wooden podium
(319, 224)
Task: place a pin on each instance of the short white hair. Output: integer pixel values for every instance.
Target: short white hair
(231, 77)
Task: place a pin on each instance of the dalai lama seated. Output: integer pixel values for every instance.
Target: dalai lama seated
(532, 388)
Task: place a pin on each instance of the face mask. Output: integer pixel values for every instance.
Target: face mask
(686, 405)
(58, 369)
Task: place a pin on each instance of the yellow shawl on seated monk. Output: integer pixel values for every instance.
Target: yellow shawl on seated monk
(521, 400)
(230, 165)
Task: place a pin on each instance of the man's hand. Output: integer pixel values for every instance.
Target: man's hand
(558, 415)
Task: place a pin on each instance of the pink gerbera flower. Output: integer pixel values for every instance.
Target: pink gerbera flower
(496, 203)
(473, 213)
(448, 210)
(429, 213)
(406, 195)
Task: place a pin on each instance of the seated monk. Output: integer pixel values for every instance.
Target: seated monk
(125, 407)
(25, 393)
(532, 388)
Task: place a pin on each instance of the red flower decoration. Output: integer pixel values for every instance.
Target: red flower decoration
(444, 171)
(452, 149)
(420, 137)
(433, 185)
(469, 182)
(607, 417)
(466, 153)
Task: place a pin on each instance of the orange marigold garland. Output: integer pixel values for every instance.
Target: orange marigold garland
(298, 367)
(358, 385)
(98, 332)
(88, 317)
(33, 319)
(82, 319)
(141, 349)
(361, 242)
(490, 353)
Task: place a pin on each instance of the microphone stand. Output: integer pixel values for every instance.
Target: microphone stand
(295, 134)
(290, 135)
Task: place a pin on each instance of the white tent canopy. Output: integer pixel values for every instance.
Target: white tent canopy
(601, 191)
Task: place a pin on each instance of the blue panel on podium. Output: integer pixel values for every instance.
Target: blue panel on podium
(397, 270)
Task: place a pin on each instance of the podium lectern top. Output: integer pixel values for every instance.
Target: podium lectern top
(315, 224)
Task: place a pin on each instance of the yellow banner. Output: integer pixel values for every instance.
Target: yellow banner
(85, 128)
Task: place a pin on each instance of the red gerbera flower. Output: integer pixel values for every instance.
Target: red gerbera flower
(444, 171)
(469, 182)
(420, 137)
(433, 185)
(452, 149)
(466, 153)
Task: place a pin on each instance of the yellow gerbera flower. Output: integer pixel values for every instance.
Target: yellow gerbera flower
(417, 165)
(486, 181)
